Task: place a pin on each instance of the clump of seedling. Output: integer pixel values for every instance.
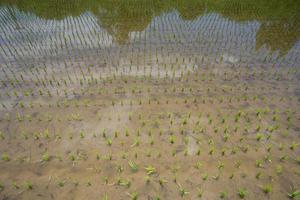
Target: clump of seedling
(133, 166)
(182, 191)
(133, 195)
(223, 195)
(150, 170)
(5, 157)
(242, 192)
(294, 194)
(28, 185)
(267, 188)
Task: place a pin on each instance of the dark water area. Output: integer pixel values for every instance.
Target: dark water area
(245, 32)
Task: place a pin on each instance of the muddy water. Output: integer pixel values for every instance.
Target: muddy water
(205, 92)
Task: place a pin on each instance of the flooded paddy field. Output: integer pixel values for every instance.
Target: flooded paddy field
(149, 99)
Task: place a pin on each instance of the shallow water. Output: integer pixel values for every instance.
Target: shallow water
(250, 33)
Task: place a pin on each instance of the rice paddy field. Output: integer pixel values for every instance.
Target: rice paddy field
(149, 99)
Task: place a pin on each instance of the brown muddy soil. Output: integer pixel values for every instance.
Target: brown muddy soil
(206, 135)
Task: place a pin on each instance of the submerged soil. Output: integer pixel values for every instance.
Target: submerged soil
(207, 133)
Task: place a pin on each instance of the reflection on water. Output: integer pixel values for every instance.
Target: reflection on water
(140, 31)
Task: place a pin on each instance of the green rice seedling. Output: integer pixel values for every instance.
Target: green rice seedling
(225, 137)
(237, 164)
(105, 197)
(267, 188)
(126, 132)
(279, 169)
(158, 155)
(294, 194)
(245, 148)
(156, 198)
(223, 195)
(258, 128)
(150, 170)
(223, 151)
(198, 165)
(182, 191)
(198, 153)
(259, 163)
(162, 182)
(258, 175)
(1, 187)
(283, 158)
(123, 182)
(199, 193)
(234, 150)
(45, 157)
(185, 152)
(5, 157)
(133, 195)
(98, 156)
(136, 142)
(242, 193)
(72, 157)
(2, 137)
(82, 135)
(61, 183)
(109, 142)
(268, 158)
(204, 177)
(174, 151)
(133, 166)
(152, 142)
(221, 165)
(105, 180)
(293, 146)
(297, 159)
(172, 139)
(216, 177)
(14, 185)
(28, 185)
(281, 147)
(119, 168)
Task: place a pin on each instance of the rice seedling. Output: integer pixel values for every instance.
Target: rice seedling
(294, 194)
(181, 84)
(14, 185)
(242, 193)
(150, 170)
(1, 187)
(61, 183)
(28, 185)
(293, 146)
(109, 142)
(5, 157)
(45, 157)
(105, 197)
(133, 195)
(199, 193)
(182, 191)
(134, 166)
(223, 195)
(162, 182)
(204, 177)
